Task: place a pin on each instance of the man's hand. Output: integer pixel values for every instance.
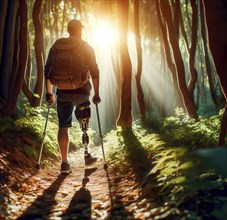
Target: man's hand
(96, 99)
(50, 99)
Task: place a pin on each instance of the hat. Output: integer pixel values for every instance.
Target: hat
(74, 25)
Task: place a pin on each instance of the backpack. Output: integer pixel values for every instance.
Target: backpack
(68, 69)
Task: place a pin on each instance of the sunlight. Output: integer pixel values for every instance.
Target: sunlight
(102, 36)
(104, 33)
(100, 32)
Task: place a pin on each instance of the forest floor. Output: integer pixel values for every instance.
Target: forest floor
(86, 193)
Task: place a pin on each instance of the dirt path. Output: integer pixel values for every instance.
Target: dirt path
(87, 193)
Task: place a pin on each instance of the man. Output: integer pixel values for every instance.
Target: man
(68, 98)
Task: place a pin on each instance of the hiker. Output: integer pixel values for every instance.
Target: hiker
(70, 64)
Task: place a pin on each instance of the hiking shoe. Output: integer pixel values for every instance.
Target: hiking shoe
(89, 159)
(65, 168)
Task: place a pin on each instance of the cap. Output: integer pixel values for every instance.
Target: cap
(74, 24)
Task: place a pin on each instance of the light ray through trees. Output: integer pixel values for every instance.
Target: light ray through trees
(103, 36)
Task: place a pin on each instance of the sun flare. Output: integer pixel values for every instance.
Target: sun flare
(105, 34)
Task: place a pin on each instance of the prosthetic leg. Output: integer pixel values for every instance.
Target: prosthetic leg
(83, 113)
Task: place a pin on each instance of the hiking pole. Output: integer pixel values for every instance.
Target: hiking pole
(44, 134)
(101, 138)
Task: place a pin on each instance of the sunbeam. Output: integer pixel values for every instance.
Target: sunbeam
(103, 36)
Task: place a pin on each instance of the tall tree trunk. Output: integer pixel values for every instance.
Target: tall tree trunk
(183, 31)
(125, 118)
(140, 95)
(216, 20)
(188, 99)
(39, 55)
(6, 70)
(172, 67)
(23, 56)
(3, 10)
(207, 60)
(192, 52)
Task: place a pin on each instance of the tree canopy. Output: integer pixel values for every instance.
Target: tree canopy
(153, 56)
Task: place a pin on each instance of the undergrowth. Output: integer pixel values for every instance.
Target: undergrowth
(183, 164)
(32, 122)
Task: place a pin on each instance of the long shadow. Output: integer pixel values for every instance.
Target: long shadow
(117, 210)
(41, 207)
(80, 205)
(137, 155)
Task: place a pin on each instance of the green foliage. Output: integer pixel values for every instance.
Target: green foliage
(187, 171)
(182, 130)
(133, 146)
(33, 122)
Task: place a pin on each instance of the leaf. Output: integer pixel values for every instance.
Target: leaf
(36, 95)
(186, 165)
(176, 180)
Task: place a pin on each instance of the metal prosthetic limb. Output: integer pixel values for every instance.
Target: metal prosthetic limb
(83, 113)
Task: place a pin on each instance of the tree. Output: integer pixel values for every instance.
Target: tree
(140, 96)
(125, 117)
(11, 103)
(39, 53)
(206, 56)
(192, 50)
(9, 36)
(178, 60)
(216, 20)
(171, 66)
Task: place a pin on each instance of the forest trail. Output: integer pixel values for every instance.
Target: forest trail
(86, 193)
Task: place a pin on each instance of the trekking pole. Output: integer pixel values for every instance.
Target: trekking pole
(101, 138)
(44, 134)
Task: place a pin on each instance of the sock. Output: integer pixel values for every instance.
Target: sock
(65, 161)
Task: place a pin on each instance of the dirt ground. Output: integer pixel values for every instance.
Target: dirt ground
(87, 193)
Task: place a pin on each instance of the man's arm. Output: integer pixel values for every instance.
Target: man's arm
(96, 99)
(50, 98)
(48, 86)
(94, 71)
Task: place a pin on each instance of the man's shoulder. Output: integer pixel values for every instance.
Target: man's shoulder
(60, 40)
(67, 42)
(87, 46)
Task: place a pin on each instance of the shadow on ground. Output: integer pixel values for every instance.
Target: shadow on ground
(45, 202)
(138, 159)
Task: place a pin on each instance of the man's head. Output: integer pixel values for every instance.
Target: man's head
(75, 28)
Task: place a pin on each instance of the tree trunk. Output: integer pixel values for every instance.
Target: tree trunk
(179, 64)
(125, 118)
(140, 95)
(39, 55)
(23, 56)
(3, 10)
(207, 60)
(216, 20)
(184, 34)
(7, 63)
(192, 52)
(172, 67)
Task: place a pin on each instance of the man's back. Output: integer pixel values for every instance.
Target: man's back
(68, 68)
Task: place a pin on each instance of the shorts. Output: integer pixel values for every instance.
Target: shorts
(65, 107)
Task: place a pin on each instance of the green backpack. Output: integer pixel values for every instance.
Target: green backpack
(68, 69)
